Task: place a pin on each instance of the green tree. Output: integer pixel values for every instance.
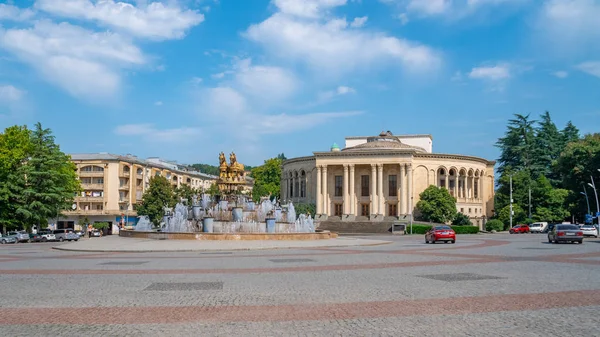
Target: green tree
(205, 168)
(461, 220)
(518, 217)
(306, 209)
(267, 179)
(570, 134)
(436, 205)
(577, 164)
(186, 192)
(213, 189)
(551, 203)
(160, 193)
(549, 143)
(50, 180)
(15, 147)
(517, 145)
(495, 225)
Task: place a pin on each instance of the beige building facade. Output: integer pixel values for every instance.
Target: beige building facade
(381, 177)
(113, 186)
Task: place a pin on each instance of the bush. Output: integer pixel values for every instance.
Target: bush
(494, 224)
(466, 229)
(100, 225)
(305, 208)
(418, 229)
(461, 220)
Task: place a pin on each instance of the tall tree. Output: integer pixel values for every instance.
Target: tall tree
(517, 145)
(160, 194)
(50, 179)
(437, 205)
(267, 178)
(15, 147)
(186, 192)
(549, 143)
(570, 133)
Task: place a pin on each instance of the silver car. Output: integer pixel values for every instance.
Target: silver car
(7, 239)
(565, 233)
(21, 236)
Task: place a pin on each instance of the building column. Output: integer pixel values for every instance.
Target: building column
(307, 188)
(373, 189)
(319, 195)
(472, 191)
(325, 192)
(346, 208)
(447, 180)
(380, 197)
(399, 192)
(410, 188)
(352, 194)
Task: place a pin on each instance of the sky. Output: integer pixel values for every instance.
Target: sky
(186, 79)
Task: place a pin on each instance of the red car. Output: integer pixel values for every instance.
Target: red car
(440, 233)
(519, 229)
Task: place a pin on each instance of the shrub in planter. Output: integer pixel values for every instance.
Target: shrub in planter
(418, 229)
(466, 229)
(494, 224)
(461, 220)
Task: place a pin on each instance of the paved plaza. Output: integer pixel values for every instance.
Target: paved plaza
(484, 285)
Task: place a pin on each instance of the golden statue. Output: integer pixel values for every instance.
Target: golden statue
(231, 175)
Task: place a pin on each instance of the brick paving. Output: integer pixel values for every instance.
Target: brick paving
(484, 285)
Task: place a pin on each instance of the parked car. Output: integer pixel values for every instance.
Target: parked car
(35, 237)
(440, 233)
(519, 229)
(538, 227)
(549, 228)
(47, 235)
(96, 233)
(7, 239)
(65, 234)
(589, 230)
(565, 233)
(21, 236)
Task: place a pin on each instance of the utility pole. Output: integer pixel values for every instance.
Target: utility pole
(597, 206)
(511, 202)
(530, 201)
(587, 200)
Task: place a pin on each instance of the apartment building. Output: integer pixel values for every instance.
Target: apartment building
(113, 186)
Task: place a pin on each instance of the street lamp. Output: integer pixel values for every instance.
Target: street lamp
(587, 200)
(593, 186)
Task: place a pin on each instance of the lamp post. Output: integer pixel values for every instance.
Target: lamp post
(593, 185)
(511, 202)
(587, 200)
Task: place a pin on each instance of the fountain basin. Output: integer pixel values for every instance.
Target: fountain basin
(320, 235)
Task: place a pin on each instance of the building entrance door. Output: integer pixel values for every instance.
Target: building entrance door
(392, 210)
(364, 210)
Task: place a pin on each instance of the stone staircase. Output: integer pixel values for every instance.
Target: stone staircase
(383, 227)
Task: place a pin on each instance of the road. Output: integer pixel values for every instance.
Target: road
(484, 285)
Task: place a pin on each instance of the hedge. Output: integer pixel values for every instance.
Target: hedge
(494, 224)
(466, 229)
(422, 229)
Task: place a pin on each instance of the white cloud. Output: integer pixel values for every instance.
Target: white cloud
(82, 62)
(403, 17)
(329, 46)
(14, 13)
(359, 22)
(158, 103)
(196, 80)
(9, 93)
(154, 20)
(450, 9)
(572, 23)
(265, 82)
(493, 73)
(152, 134)
(590, 67)
(339, 91)
(561, 74)
(307, 8)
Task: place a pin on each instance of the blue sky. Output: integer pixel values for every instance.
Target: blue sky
(186, 79)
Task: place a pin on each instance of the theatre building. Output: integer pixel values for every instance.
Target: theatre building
(379, 178)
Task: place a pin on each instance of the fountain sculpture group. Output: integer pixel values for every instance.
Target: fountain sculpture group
(232, 212)
(236, 215)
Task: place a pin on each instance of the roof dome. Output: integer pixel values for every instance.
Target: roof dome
(335, 148)
(385, 141)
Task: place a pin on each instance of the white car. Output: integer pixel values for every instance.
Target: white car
(589, 230)
(538, 227)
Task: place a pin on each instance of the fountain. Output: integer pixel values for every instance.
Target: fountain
(232, 216)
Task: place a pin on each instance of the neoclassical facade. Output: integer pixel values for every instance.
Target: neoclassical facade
(381, 177)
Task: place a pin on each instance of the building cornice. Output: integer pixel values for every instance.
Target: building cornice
(454, 157)
(298, 160)
(398, 136)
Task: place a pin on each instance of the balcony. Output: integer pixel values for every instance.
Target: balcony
(89, 199)
(124, 174)
(124, 187)
(89, 186)
(87, 212)
(91, 173)
(123, 200)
